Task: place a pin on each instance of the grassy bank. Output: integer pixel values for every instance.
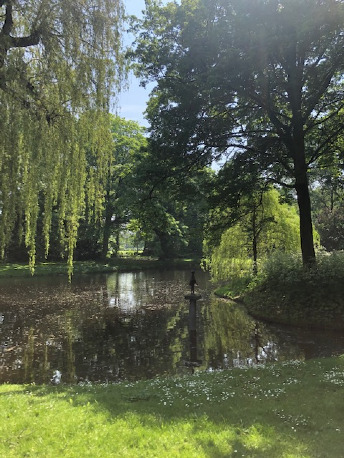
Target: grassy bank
(285, 292)
(133, 263)
(282, 410)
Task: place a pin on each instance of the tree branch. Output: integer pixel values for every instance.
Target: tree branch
(322, 86)
(8, 23)
(7, 41)
(23, 42)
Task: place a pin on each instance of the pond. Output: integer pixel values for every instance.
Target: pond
(130, 326)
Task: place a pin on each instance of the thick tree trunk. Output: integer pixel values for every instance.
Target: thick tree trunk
(305, 212)
(306, 227)
(297, 150)
(166, 245)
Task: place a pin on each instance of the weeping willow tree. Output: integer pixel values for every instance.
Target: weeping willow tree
(268, 226)
(60, 62)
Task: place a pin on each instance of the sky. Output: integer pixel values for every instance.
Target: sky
(132, 102)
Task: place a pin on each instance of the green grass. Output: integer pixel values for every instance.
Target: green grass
(131, 263)
(282, 410)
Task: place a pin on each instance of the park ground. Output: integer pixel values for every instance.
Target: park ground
(292, 409)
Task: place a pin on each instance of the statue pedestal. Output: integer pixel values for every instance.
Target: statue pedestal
(193, 297)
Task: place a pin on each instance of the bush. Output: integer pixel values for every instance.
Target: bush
(287, 269)
(287, 292)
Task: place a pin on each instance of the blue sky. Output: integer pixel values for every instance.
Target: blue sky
(132, 102)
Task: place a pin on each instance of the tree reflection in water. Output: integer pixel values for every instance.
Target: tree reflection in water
(132, 326)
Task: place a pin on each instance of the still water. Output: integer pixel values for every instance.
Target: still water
(130, 326)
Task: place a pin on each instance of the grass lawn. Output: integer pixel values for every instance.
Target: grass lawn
(281, 410)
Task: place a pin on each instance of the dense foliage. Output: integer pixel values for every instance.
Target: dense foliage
(171, 205)
(59, 63)
(257, 85)
(270, 226)
(99, 233)
(262, 78)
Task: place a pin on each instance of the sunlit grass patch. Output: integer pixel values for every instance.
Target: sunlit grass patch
(281, 410)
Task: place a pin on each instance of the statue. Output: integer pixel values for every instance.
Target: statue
(193, 282)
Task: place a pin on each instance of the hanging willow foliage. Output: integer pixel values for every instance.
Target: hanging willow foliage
(60, 61)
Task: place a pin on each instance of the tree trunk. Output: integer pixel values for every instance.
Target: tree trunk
(107, 226)
(254, 242)
(297, 150)
(117, 238)
(106, 237)
(306, 227)
(166, 245)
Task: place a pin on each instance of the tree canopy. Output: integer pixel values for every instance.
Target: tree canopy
(265, 77)
(59, 64)
(170, 207)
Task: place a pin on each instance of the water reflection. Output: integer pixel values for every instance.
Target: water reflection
(230, 332)
(192, 327)
(133, 326)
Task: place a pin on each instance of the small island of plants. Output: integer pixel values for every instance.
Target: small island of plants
(283, 291)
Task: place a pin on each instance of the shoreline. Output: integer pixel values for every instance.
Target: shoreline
(124, 264)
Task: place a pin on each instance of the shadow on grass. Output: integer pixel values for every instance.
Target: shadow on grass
(292, 410)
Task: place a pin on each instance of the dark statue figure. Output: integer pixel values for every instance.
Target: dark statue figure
(193, 282)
